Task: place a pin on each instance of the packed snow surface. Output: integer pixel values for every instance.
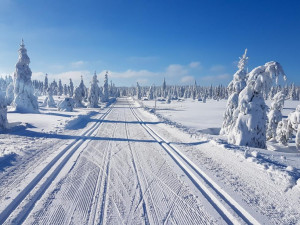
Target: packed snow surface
(125, 165)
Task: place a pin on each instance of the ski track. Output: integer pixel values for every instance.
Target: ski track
(131, 176)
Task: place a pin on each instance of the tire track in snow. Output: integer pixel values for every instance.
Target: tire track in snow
(63, 158)
(228, 208)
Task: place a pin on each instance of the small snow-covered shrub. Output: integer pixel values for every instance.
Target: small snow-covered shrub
(287, 127)
(66, 105)
(3, 112)
(275, 115)
(282, 132)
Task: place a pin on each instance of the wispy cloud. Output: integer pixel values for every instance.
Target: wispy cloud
(75, 75)
(187, 80)
(78, 64)
(176, 70)
(142, 81)
(195, 65)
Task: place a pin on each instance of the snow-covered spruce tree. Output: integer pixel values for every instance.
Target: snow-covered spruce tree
(288, 126)
(94, 93)
(78, 97)
(164, 89)
(275, 115)
(234, 88)
(3, 112)
(65, 90)
(24, 99)
(150, 94)
(169, 98)
(54, 87)
(49, 101)
(250, 126)
(105, 96)
(283, 132)
(66, 105)
(60, 89)
(194, 91)
(71, 88)
(138, 91)
(46, 85)
(9, 94)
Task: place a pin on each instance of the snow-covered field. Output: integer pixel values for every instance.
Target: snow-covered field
(125, 165)
(203, 117)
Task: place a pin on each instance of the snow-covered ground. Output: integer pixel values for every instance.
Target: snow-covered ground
(205, 117)
(125, 165)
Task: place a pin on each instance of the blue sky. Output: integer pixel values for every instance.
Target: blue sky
(146, 40)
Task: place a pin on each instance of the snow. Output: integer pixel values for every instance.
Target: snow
(125, 165)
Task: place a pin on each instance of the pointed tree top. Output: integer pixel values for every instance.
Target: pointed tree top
(22, 43)
(95, 73)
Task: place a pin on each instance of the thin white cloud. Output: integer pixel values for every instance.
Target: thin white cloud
(78, 64)
(142, 81)
(194, 65)
(187, 79)
(176, 70)
(74, 75)
(38, 76)
(217, 68)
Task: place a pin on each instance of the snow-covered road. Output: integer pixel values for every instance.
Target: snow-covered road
(127, 168)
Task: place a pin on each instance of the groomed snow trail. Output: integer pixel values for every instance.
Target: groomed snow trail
(123, 172)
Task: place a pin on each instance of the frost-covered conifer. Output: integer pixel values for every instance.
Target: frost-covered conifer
(24, 99)
(164, 89)
(3, 112)
(250, 126)
(46, 85)
(66, 105)
(60, 89)
(235, 87)
(105, 96)
(194, 91)
(283, 132)
(297, 139)
(169, 98)
(94, 93)
(49, 101)
(150, 94)
(275, 115)
(65, 90)
(10, 93)
(54, 87)
(138, 91)
(289, 126)
(71, 88)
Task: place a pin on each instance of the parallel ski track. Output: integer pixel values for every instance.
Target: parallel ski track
(141, 191)
(106, 184)
(215, 195)
(64, 156)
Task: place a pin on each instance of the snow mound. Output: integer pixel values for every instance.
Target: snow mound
(79, 121)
